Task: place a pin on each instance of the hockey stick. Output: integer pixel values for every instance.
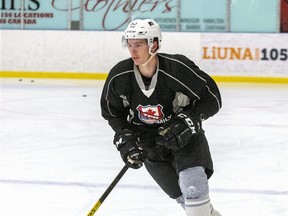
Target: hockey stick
(108, 190)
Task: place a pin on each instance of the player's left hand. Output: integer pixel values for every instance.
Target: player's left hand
(177, 132)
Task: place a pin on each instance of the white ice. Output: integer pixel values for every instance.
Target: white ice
(57, 156)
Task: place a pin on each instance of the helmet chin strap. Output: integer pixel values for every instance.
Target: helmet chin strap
(150, 57)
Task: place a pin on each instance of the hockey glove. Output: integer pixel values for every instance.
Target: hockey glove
(177, 132)
(126, 142)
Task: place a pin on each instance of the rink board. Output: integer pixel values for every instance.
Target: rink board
(228, 57)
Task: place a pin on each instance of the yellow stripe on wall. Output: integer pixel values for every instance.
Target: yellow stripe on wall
(103, 76)
(52, 75)
(251, 79)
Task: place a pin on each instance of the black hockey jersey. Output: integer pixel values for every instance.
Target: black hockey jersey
(178, 84)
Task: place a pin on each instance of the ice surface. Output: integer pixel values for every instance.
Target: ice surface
(57, 157)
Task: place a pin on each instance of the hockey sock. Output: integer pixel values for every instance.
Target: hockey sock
(197, 207)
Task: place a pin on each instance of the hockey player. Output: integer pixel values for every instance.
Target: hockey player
(155, 103)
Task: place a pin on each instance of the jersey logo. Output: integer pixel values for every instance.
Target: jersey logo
(150, 114)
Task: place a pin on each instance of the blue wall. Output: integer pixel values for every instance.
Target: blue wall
(172, 15)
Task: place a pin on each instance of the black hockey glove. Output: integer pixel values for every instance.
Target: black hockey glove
(126, 142)
(177, 132)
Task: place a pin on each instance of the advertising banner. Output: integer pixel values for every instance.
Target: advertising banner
(33, 14)
(204, 15)
(245, 54)
(113, 15)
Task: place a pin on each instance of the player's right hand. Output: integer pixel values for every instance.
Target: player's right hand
(126, 142)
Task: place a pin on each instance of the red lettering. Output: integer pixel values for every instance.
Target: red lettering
(121, 7)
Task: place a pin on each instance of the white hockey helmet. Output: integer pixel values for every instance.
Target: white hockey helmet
(143, 29)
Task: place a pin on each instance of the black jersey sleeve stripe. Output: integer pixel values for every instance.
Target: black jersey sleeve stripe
(108, 89)
(176, 60)
(180, 62)
(218, 102)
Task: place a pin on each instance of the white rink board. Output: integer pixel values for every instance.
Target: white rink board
(97, 52)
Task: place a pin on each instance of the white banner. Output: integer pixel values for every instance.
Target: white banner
(245, 54)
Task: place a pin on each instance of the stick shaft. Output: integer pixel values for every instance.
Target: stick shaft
(108, 190)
